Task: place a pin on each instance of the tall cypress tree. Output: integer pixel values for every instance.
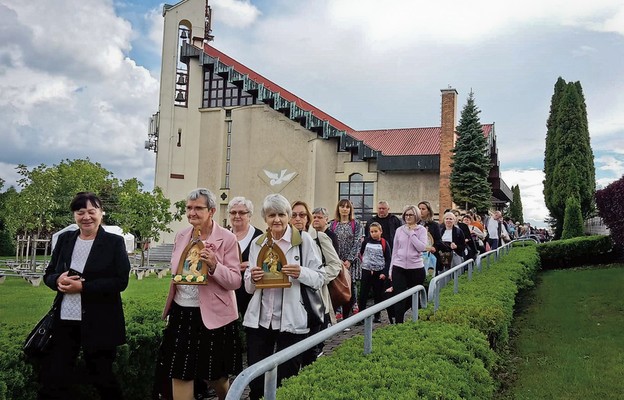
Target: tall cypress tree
(515, 209)
(569, 160)
(551, 140)
(471, 163)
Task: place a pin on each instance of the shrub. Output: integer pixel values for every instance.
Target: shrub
(610, 202)
(412, 360)
(568, 253)
(135, 363)
(573, 219)
(487, 301)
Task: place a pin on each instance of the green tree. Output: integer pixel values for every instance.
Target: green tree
(573, 219)
(551, 140)
(42, 205)
(471, 163)
(569, 161)
(515, 208)
(144, 214)
(7, 245)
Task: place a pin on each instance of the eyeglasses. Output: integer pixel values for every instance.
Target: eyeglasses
(409, 215)
(300, 215)
(241, 213)
(196, 208)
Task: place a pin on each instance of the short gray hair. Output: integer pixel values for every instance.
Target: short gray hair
(276, 203)
(241, 201)
(321, 210)
(211, 199)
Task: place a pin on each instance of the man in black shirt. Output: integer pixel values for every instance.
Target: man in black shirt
(389, 222)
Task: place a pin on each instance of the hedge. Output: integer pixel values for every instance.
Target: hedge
(487, 301)
(134, 365)
(587, 250)
(408, 361)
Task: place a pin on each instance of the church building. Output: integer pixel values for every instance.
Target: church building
(223, 126)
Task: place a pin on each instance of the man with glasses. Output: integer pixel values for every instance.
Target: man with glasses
(389, 222)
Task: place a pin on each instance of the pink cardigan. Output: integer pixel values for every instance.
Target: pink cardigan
(217, 301)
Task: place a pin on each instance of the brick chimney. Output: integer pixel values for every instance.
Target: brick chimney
(447, 142)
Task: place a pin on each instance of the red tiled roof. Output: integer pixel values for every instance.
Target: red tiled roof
(406, 141)
(402, 142)
(275, 87)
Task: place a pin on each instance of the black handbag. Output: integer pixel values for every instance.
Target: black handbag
(39, 339)
(312, 302)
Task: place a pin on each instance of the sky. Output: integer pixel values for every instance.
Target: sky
(80, 78)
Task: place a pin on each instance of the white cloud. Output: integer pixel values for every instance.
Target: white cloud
(235, 13)
(69, 90)
(531, 193)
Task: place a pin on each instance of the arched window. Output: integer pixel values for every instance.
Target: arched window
(361, 195)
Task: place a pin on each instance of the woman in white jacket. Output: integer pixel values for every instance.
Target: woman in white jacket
(276, 317)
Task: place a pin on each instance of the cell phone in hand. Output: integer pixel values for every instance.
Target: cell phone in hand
(73, 272)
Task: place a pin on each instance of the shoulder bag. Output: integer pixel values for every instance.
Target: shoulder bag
(39, 339)
(312, 301)
(340, 288)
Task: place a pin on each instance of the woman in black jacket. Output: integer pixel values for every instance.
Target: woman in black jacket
(454, 242)
(89, 269)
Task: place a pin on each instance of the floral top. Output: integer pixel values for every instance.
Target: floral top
(349, 240)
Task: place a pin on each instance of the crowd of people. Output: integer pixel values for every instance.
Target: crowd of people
(240, 296)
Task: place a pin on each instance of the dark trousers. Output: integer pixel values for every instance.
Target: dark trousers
(261, 343)
(58, 368)
(403, 279)
(370, 280)
(310, 355)
(493, 243)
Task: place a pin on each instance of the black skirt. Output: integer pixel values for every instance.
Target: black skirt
(191, 351)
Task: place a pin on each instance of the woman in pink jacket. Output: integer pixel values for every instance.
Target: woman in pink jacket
(407, 268)
(201, 340)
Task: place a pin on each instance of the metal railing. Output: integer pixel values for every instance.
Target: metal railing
(268, 366)
(441, 280)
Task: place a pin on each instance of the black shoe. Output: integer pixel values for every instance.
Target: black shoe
(377, 320)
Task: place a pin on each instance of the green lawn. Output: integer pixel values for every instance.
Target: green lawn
(570, 342)
(21, 302)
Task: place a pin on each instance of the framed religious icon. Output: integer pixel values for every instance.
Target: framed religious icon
(191, 270)
(271, 259)
(429, 239)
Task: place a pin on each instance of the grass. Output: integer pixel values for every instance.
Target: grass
(570, 342)
(20, 302)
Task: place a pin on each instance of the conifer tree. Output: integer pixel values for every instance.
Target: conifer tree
(573, 220)
(471, 163)
(568, 160)
(515, 208)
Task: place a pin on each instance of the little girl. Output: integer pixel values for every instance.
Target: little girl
(376, 256)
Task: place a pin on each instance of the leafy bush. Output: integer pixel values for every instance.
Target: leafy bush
(573, 220)
(568, 253)
(487, 301)
(135, 362)
(610, 202)
(412, 360)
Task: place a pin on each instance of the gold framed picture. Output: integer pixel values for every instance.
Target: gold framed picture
(191, 270)
(271, 259)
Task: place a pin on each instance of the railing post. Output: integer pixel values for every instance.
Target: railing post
(456, 281)
(270, 384)
(415, 307)
(368, 335)
(470, 271)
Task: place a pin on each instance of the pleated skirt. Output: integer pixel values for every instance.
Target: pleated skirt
(191, 351)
